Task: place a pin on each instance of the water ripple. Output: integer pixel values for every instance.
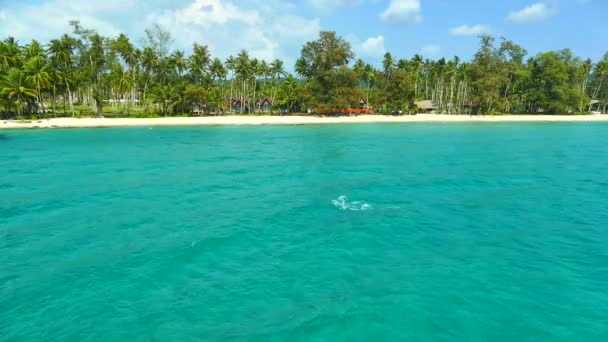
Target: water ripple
(344, 204)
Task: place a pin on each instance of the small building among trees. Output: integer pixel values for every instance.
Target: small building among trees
(426, 106)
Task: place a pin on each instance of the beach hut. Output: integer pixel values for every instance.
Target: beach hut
(198, 108)
(265, 105)
(426, 106)
(238, 106)
(595, 107)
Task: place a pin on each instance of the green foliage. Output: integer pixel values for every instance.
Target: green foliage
(86, 74)
(400, 91)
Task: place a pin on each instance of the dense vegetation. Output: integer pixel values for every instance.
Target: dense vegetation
(87, 74)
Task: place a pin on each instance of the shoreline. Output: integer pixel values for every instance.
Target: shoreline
(287, 120)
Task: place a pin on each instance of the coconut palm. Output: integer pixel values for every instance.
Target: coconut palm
(216, 70)
(388, 64)
(288, 93)
(231, 66)
(62, 52)
(254, 73)
(96, 70)
(149, 60)
(242, 71)
(264, 69)
(178, 61)
(7, 57)
(56, 77)
(121, 81)
(166, 96)
(277, 70)
(17, 88)
(417, 64)
(37, 71)
(215, 100)
(126, 50)
(9, 53)
(601, 72)
(33, 49)
(198, 63)
(129, 55)
(218, 73)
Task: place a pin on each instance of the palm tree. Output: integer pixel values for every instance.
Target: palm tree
(97, 66)
(242, 71)
(369, 76)
(164, 69)
(166, 96)
(16, 86)
(358, 67)
(277, 70)
(388, 65)
(288, 95)
(601, 72)
(149, 60)
(56, 80)
(9, 53)
(198, 63)
(254, 72)
(126, 50)
(417, 64)
(216, 69)
(215, 100)
(37, 74)
(32, 50)
(129, 54)
(218, 73)
(302, 68)
(178, 61)
(231, 66)
(7, 57)
(264, 73)
(62, 52)
(121, 81)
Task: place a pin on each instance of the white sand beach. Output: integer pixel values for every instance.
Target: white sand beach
(288, 120)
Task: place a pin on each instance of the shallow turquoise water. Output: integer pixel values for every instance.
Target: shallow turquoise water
(465, 232)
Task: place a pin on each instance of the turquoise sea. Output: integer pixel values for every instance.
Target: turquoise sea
(377, 232)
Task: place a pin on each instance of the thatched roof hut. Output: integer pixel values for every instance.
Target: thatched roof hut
(427, 106)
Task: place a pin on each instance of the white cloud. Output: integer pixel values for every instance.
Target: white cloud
(372, 47)
(535, 12)
(402, 12)
(267, 28)
(467, 30)
(51, 18)
(266, 31)
(328, 6)
(431, 50)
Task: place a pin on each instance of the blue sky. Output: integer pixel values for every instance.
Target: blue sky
(277, 29)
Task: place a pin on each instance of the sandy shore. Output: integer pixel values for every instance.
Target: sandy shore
(290, 120)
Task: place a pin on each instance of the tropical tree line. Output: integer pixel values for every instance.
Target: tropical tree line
(85, 73)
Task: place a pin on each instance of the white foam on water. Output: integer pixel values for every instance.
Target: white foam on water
(343, 203)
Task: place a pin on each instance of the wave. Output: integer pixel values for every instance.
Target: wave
(343, 203)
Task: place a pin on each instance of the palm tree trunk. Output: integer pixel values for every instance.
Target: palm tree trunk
(231, 88)
(53, 101)
(70, 98)
(242, 93)
(254, 99)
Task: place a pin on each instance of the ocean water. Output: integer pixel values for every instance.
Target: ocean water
(413, 232)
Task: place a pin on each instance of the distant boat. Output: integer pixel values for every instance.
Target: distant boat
(594, 112)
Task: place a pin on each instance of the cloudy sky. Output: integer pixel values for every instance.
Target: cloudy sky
(277, 29)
